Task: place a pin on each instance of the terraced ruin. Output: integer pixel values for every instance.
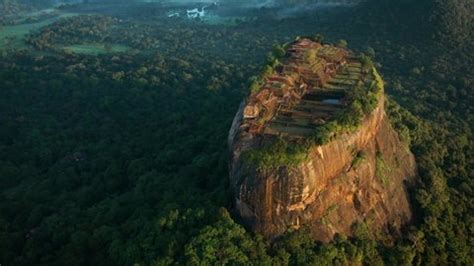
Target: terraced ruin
(307, 88)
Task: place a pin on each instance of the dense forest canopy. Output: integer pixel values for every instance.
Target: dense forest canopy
(114, 124)
(446, 20)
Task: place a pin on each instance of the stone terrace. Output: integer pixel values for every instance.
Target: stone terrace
(306, 90)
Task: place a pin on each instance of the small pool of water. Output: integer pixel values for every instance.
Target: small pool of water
(332, 101)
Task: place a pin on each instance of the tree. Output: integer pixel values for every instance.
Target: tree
(342, 43)
(225, 242)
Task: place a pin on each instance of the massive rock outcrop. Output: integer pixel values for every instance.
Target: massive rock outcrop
(358, 177)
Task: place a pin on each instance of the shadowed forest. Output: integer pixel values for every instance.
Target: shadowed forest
(114, 120)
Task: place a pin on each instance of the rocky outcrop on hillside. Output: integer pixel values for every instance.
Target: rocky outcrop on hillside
(356, 178)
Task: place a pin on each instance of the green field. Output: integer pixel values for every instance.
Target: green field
(13, 37)
(96, 48)
(226, 21)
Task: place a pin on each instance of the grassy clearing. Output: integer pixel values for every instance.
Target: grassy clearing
(96, 48)
(225, 21)
(13, 37)
(280, 153)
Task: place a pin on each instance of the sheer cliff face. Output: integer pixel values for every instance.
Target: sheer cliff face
(356, 178)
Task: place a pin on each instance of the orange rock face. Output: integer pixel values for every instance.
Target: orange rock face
(359, 176)
(356, 178)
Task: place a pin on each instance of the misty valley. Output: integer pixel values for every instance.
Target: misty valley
(281, 132)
